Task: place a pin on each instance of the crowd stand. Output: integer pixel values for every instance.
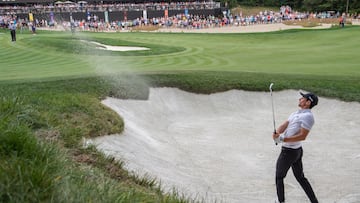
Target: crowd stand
(182, 20)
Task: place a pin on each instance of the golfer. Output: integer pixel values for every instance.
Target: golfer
(290, 134)
(12, 27)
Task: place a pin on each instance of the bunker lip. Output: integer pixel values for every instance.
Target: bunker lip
(116, 48)
(219, 146)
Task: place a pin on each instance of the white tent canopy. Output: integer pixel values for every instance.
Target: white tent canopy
(69, 2)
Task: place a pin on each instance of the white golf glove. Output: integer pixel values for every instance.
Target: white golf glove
(279, 139)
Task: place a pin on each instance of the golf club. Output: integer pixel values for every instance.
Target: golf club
(272, 105)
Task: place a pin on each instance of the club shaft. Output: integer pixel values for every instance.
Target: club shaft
(273, 111)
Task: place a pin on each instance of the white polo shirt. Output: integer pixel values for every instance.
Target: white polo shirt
(302, 118)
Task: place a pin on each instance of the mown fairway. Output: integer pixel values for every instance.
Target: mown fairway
(59, 54)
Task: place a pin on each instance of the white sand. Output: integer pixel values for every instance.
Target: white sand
(220, 146)
(115, 48)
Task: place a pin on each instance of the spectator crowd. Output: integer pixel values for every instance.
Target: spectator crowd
(83, 6)
(181, 20)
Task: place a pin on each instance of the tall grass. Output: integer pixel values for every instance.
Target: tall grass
(340, 87)
(28, 167)
(33, 170)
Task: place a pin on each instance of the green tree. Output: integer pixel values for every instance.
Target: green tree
(305, 5)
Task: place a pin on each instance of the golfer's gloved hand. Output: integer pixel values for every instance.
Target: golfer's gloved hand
(279, 139)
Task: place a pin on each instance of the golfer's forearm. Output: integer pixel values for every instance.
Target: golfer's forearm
(300, 136)
(295, 138)
(282, 128)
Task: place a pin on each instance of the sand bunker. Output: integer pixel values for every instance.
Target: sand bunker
(220, 146)
(116, 48)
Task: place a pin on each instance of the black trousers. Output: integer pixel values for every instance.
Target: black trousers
(292, 158)
(13, 35)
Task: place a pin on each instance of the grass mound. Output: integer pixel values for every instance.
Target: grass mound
(35, 170)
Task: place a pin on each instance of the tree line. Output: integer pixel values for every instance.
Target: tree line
(349, 6)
